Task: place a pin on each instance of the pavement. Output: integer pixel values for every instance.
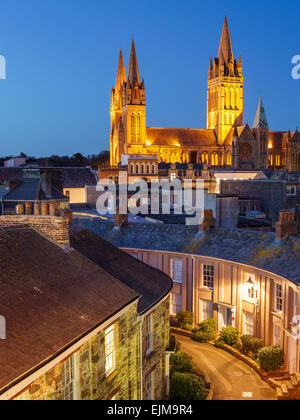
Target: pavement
(231, 378)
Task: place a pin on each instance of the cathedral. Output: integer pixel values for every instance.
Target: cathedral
(226, 142)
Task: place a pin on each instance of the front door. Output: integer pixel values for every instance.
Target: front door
(225, 317)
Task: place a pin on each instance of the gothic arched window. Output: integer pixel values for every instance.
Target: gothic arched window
(214, 159)
(133, 133)
(138, 130)
(204, 158)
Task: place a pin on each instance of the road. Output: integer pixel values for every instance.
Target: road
(231, 378)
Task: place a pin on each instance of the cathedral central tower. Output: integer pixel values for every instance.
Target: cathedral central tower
(225, 89)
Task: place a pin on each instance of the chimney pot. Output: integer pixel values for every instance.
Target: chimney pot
(287, 225)
(37, 209)
(20, 209)
(45, 209)
(28, 207)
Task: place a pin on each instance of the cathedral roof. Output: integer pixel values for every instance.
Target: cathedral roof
(260, 120)
(278, 139)
(225, 48)
(181, 137)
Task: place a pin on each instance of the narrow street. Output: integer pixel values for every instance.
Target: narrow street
(231, 378)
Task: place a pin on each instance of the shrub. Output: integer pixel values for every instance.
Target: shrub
(188, 387)
(208, 326)
(185, 319)
(270, 358)
(251, 344)
(204, 337)
(181, 362)
(230, 336)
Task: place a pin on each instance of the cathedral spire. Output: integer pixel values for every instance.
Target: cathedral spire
(225, 48)
(260, 118)
(133, 76)
(121, 73)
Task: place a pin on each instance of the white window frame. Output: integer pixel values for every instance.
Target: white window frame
(149, 334)
(175, 304)
(208, 276)
(177, 273)
(68, 372)
(110, 350)
(278, 298)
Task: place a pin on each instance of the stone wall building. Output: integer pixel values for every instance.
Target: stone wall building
(84, 320)
(245, 279)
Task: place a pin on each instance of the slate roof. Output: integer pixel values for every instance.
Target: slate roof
(29, 190)
(78, 177)
(151, 284)
(258, 249)
(10, 174)
(72, 177)
(50, 298)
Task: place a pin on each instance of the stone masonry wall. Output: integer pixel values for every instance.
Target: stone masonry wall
(155, 362)
(92, 383)
(124, 383)
(56, 228)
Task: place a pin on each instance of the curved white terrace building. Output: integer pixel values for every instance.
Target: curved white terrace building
(246, 279)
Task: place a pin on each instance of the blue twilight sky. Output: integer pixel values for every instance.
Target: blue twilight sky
(62, 59)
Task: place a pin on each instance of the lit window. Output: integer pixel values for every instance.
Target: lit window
(149, 334)
(68, 379)
(208, 276)
(67, 194)
(149, 387)
(176, 268)
(133, 131)
(278, 297)
(277, 335)
(138, 128)
(173, 176)
(110, 350)
(175, 304)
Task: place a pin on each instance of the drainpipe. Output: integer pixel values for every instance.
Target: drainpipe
(141, 359)
(194, 292)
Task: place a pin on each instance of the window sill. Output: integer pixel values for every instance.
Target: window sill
(112, 376)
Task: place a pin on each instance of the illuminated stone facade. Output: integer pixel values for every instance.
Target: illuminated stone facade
(82, 375)
(226, 141)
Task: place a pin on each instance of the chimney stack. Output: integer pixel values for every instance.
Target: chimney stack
(208, 221)
(287, 225)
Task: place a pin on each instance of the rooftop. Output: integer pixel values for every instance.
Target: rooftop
(50, 298)
(258, 249)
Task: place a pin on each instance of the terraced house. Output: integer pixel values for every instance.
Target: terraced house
(242, 278)
(84, 320)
